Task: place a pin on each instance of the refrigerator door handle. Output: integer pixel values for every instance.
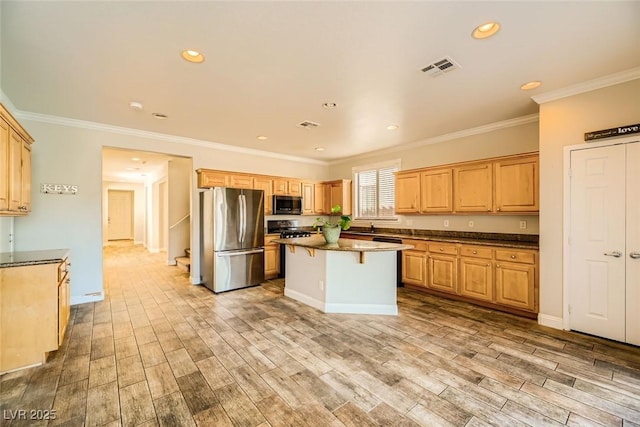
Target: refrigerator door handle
(237, 253)
(244, 217)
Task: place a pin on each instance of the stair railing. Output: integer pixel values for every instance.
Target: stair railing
(180, 220)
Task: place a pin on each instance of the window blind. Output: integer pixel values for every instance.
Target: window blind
(375, 192)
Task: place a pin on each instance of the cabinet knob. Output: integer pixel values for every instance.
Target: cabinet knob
(513, 257)
(488, 210)
(475, 252)
(498, 209)
(497, 265)
(441, 249)
(488, 265)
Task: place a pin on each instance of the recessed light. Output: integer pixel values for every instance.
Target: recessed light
(485, 30)
(329, 105)
(135, 159)
(262, 137)
(192, 56)
(135, 105)
(159, 116)
(531, 85)
(392, 127)
(319, 148)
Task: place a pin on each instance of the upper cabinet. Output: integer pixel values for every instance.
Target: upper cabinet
(407, 192)
(499, 185)
(308, 201)
(473, 188)
(15, 166)
(265, 184)
(210, 178)
(517, 184)
(338, 193)
(287, 187)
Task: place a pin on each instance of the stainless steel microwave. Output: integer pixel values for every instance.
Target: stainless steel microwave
(287, 205)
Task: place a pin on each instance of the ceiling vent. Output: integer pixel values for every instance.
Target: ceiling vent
(441, 66)
(308, 124)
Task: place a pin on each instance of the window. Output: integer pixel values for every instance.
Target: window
(375, 187)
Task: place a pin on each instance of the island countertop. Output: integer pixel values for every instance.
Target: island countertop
(22, 258)
(345, 245)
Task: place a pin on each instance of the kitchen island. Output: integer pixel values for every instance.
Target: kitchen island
(350, 276)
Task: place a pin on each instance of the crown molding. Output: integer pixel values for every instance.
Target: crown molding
(588, 86)
(82, 124)
(531, 118)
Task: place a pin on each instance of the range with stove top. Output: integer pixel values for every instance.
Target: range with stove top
(287, 229)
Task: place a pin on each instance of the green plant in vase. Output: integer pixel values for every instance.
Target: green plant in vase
(332, 226)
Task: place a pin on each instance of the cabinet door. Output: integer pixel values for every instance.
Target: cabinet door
(517, 183)
(265, 184)
(271, 261)
(294, 187)
(436, 191)
(476, 278)
(4, 165)
(327, 198)
(341, 195)
(209, 178)
(407, 192)
(15, 171)
(473, 188)
(26, 177)
(307, 198)
(515, 285)
(414, 268)
(280, 186)
(240, 181)
(318, 198)
(63, 308)
(443, 273)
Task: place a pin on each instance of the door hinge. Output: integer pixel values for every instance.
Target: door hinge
(569, 308)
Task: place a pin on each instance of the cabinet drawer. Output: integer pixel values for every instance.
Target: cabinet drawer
(63, 267)
(418, 245)
(443, 248)
(476, 252)
(524, 257)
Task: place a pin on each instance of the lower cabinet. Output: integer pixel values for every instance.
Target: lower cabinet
(271, 257)
(34, 312)
(498, 277)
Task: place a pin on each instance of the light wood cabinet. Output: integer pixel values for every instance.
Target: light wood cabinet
(338, 193)
(497, 277)
(407, 192)
(240, 181)
(443, 267)
(318, 198)
(15, 166)
(308, 201)
(517, 185)
(287, 187)
(476, 273)
(209, 178)
(265, 184)
(436, 191)
(473, 188)
(34, 313)
(271, 257)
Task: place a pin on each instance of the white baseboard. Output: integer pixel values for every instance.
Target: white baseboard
(550, 321)
(82, 299)
(342, 308)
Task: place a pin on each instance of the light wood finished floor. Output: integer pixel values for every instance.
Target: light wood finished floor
(159, 351)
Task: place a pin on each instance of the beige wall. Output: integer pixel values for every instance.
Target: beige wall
(563, 122)
(505, 141)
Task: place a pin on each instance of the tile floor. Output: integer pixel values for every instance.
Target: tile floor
(159, 351)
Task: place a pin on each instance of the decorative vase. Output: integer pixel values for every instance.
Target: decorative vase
(331, 233)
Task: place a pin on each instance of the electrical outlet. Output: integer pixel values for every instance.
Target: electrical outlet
(523, 225)
(471, 224)
(446, 222)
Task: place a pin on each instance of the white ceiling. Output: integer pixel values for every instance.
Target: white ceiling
(271, 65)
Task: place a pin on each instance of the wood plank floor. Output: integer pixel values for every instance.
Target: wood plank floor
(159, 351)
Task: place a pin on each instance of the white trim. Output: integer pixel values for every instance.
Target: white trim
(566, 222)
(550, 321)
(588, 86)
(531, 118)
(391, 310)
(82, 299)
(378, 165)
(83, 124)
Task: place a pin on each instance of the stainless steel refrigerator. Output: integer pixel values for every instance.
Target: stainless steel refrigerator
(232, 238)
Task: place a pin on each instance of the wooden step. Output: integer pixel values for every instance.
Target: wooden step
(183, 263)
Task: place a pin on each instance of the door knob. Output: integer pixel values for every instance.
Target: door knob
(616, 254)
(634, 255)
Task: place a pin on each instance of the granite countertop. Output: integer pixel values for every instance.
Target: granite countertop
(348, 245)
(19, 259)
(518, 241)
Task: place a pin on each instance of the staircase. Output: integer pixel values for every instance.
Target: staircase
(184, 262)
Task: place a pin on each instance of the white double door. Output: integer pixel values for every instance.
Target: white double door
(604, 242)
